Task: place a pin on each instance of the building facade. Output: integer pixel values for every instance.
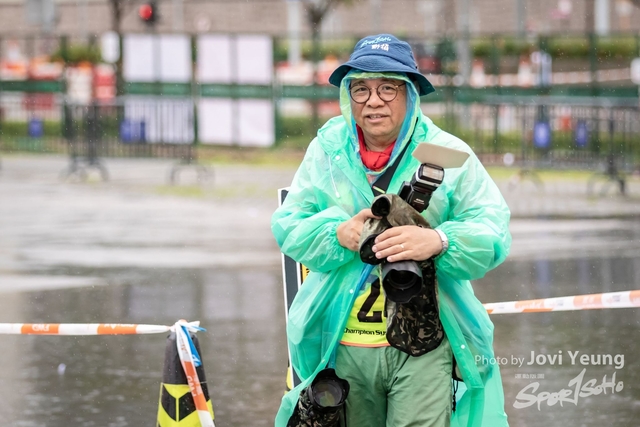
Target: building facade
(411, 18)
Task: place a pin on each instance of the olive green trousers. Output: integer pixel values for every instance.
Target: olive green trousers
(389, 388)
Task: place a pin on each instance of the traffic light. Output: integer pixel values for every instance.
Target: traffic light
(148, 13)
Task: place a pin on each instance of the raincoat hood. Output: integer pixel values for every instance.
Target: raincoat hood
(408, 125)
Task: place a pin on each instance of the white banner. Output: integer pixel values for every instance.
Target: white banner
(635, 71)
(221, 59)
(245, 122)
(256, 123)
(164, 58)
(242, 59)
(175, 58)
(215, 121)
(255, 59)
(138, 58)
(214, 59)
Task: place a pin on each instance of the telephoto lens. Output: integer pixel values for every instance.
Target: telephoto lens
(328, 392)
(401, 280)
(321, 403)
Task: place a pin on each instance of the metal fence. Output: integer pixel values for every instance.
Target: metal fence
(594, 134)
(134, 127)
(544, 132)
(537, 131)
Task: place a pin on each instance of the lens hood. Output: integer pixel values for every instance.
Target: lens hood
(401, 280)
(328, 392)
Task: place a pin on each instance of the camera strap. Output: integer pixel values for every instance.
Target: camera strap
(381, 184)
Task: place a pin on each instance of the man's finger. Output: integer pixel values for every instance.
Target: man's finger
(388, 233)
(364, 214)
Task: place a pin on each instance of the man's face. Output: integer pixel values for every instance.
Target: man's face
(380, 120)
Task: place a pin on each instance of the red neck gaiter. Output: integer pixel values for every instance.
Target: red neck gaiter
(373, 160)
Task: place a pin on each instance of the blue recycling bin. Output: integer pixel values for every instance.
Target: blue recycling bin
(542, 134)
(581, 134)
(132, 131)
(35, 128)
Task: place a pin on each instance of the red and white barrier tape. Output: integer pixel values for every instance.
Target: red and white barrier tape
(189, 362)
(186, 349)
(80, 329)
(626, 299)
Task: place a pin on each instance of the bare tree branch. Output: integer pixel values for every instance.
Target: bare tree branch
(317, 9)
(119, 8)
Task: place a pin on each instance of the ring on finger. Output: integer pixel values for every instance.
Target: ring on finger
(402, 246)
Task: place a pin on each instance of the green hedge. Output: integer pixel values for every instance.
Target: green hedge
(570, 47)
(21, 129)
(78, 53)
(108, 127)
(297, 133)
(339, 48)
(619, 48)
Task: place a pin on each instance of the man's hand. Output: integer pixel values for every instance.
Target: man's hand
(349, 231)
(407, 242)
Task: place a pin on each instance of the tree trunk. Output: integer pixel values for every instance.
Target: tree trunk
(117, 7)
(449, 18)
(316, 11)
(589, 16)
(315, 57)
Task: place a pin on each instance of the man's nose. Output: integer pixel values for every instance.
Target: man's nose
(374, 100)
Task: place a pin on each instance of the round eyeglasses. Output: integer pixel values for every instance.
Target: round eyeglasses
(386, 92)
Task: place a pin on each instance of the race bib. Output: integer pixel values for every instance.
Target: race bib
(367, 323)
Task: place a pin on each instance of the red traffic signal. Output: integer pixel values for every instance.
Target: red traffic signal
(148, 13)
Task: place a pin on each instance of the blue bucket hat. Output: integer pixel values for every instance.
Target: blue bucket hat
(381, 53)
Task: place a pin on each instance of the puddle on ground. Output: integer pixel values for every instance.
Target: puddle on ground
(115, 380)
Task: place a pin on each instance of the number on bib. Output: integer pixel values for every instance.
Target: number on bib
(376, 316)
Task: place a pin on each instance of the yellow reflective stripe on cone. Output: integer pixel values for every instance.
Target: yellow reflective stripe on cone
(176, 407)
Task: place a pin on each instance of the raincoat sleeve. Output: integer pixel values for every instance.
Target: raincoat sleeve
(306, 223)
(477, 225)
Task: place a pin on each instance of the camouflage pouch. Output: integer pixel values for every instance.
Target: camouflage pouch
(414, 327)
(322, 402)
(305, 415)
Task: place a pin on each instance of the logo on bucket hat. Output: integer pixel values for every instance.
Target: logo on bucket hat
(383, 53)
(379, 39)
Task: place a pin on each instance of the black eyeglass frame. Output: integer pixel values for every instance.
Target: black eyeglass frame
(397, 87)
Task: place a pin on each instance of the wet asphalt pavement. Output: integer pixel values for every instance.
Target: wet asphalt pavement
(137, 250)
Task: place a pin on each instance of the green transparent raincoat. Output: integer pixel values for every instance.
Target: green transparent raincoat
(329, 188)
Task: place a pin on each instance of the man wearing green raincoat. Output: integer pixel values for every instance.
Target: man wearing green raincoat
(337, 317)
